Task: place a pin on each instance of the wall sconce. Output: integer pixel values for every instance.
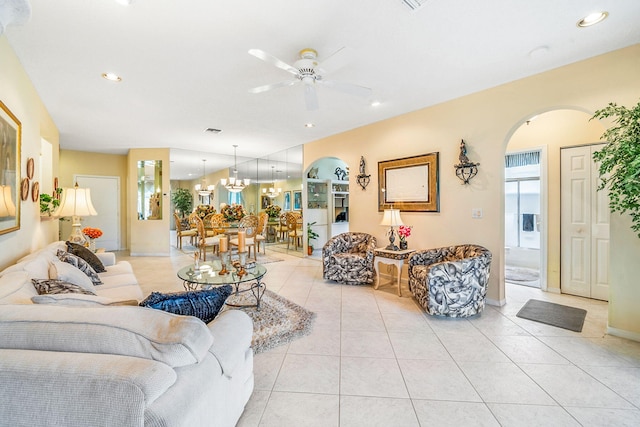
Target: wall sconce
(363, 179)
(466, 169)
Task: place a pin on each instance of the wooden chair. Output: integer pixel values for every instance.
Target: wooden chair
(180, 233)
(215, 224)
(261, 234)
(205, 241)
(250, 225)
(282, 227)
(294, 229)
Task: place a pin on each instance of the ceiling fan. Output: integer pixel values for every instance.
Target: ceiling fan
(310, 71)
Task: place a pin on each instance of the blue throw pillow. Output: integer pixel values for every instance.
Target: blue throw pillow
(204, 304)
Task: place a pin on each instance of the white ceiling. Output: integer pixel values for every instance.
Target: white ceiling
(185, 65)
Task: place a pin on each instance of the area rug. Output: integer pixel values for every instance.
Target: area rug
(267, 259)
(278, 321)
(520, 274)
(549, 313)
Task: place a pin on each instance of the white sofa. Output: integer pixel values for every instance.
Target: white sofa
(79, 361)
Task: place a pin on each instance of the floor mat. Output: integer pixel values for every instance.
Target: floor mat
(549, 313)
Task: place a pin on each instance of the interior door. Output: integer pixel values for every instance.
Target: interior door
(584, 226)
(105, 196)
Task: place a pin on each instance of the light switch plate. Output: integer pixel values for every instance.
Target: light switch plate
(476, 213)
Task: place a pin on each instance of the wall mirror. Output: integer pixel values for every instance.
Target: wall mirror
(10, 129)
(149, 189)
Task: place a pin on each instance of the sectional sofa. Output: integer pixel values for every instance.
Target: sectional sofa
(99, 360)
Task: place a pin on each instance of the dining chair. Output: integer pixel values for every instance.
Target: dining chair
(249, 224)
(282, 227)
(180, 233)
(205, 241)
(294, 229)
(261, 234)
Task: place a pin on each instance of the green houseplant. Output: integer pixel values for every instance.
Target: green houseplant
(311, 235)
(183, 201)
(49, 203)
(620, 160)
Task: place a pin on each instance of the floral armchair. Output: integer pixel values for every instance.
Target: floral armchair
(450, 281)
(348, 258)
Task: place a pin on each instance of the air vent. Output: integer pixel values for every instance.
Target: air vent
(213, 130)
(414, 4)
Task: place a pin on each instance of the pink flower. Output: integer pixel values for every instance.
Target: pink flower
(404, 231)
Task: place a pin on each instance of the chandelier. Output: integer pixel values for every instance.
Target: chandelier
(272, 192)
(235, 185)
(203, 189)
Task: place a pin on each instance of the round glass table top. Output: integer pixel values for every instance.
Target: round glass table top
(208, 274)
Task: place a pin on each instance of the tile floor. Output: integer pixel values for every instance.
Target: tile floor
(376, 359)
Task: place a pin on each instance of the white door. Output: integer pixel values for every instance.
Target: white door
(584, 226)
(105, 196)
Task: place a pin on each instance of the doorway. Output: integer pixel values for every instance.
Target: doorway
(523, 218)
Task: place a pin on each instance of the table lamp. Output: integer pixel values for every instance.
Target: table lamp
(391, 219)
(7, 207)
(76, 202)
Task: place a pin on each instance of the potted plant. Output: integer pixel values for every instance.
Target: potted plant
(620, 160)
(311, 235)
(49, 203)
(183, 201)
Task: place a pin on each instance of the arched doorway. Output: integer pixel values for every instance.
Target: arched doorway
(548, 133)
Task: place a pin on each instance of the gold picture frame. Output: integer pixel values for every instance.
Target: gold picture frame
(10, 139)
(409, 184)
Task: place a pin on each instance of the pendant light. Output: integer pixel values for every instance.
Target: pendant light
(203, 189)
(233, 184)
(272, 193)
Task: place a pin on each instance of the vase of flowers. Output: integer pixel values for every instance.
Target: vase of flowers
(273, 211)
(233, 213)
(92, 234)
(404, 231)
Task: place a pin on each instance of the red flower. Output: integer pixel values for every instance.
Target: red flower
(404, 231)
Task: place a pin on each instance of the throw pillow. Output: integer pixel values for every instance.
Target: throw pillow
(81, 265)
(204, 304)
(68, 273)
(54, 286)
(87, 255)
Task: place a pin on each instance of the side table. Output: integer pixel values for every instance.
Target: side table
(384, 256)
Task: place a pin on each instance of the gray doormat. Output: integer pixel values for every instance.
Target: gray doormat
(549, 313)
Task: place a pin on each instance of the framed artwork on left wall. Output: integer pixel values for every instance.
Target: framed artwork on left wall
(10, 138)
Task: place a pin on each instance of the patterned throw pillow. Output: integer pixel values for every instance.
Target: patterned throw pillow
(81, 265)
(204, 305)
(87, 255)
(54, 286)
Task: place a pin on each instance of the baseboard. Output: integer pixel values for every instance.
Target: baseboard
(149, 254)
(633, 336)
(497, 303)
(554, 291)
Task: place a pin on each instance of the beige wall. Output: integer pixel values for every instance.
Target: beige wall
(553, 131)
(19, 95)
(486, 121)
(148, 237)
(83, 163)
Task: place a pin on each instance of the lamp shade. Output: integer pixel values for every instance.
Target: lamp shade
(391, 218)
(7, 207)
(75, 202)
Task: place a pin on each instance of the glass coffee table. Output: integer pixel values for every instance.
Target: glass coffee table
(208, 275)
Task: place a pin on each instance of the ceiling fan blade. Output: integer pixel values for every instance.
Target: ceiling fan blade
(337, 60)
(271, 86)
(347, 88)
(310, 97)
(267, 57)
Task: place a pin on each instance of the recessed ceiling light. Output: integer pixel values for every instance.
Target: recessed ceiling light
(112, 77)
(124, 2)
(592, 19)
(309, 125)
(375, 103)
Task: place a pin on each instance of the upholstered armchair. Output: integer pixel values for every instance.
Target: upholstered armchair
(450, 281)
(348, 258)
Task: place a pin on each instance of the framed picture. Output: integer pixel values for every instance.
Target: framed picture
(265, 201)
(10, 137)
(297, 200)
(286, 206)
(409, 184)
